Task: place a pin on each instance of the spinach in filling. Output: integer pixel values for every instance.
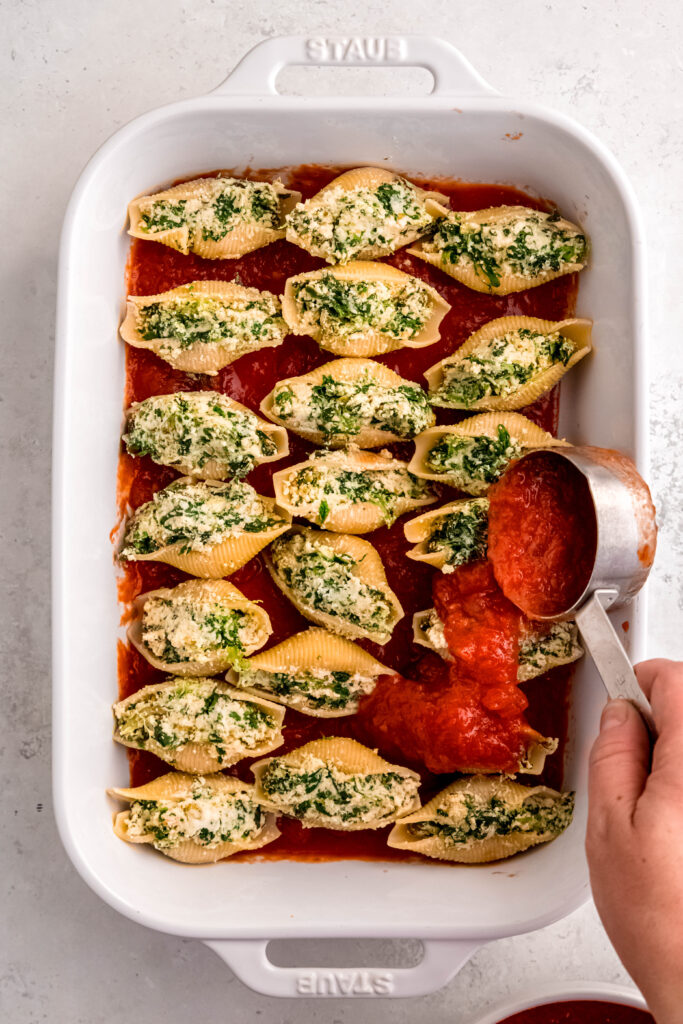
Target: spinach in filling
(214, 209)
(353, 307)
(191, 429)
(536, 814)
(528, 245)
(461, 536)
(501, 367)
(204, 320)
(317, 488)
(315, 690)
(473, 462)
(196, 516)
(343, 799)
(341, 409)
(324, 581)
(178, 630)
(206, 819)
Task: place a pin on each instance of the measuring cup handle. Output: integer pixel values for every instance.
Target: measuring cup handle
(609, 656)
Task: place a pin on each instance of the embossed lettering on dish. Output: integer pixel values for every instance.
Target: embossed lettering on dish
(345, 983)
(356, 49)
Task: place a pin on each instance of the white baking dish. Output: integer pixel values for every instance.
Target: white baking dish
(463, 129)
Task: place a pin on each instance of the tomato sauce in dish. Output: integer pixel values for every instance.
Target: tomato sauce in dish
(153, 268)
(542, 533)
(580, 1011)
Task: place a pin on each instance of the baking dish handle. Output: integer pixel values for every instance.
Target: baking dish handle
(257, 72)
(249, 961)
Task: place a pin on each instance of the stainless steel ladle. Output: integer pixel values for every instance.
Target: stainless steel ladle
(626, 541)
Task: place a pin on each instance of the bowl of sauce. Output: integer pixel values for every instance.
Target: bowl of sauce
(573, 1003)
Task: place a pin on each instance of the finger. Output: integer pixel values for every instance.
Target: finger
(648, 671)
(619, 765)
(662, 682)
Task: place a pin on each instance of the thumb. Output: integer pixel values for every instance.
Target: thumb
(619, 764)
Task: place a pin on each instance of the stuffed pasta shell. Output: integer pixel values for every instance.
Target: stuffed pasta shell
(504, 249)
(449, 536)
(351, 491)
(508, 363)
(217, 218)
(348, 401)
(473, 454)
(197, 628)
(541, 647)
(363, 214)
(195, 819)
(483, 818)
(198, 725)
(314, 672)
(204, 528)
(336, 783)
(203, 434)
(337, 581)
(363, 309)
(205, 325)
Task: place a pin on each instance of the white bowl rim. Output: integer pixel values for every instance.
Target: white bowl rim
(561, 991)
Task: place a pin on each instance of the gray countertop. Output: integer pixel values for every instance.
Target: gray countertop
(75, 71)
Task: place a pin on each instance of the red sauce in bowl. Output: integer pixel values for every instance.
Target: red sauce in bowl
(426, 713)
(542, 534)
(580, 1011)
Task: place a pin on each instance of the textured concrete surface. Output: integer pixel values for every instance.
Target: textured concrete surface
(73, 72)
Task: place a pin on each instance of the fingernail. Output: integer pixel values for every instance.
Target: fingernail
(615, 713)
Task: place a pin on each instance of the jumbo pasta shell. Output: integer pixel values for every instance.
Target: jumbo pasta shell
(508, 282)
(578, 332)
(373, 342)
(444, 809)
(368, 568)
(197, 758)
(211, 469)
(179, 786)
(227, 556)
(428, 632)
(312, 649)
(349, 371)
(521, 430)
(243, 238)
(200, 591)
(345, 516)
(200, 357)
(344, 755)
(419, 530)
(371, 178)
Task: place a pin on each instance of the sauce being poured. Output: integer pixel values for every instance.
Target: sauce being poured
(542, 534)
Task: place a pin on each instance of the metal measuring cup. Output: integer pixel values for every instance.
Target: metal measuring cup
(625, 550)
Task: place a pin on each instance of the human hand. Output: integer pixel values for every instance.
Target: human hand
(634, 839)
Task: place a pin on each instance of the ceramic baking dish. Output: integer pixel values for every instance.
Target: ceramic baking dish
(463, 129)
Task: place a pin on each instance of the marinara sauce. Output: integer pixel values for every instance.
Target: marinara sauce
(580, 1011)
(154, 268)
(542, 533)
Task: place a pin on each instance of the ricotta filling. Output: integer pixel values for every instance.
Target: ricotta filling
(346, 224)
(214, 209)
(339, 410)
(544, 648)
(206, 818)
(319, 793)
(330, 484)
(473, 463)
(500, 367)
(194, 711)
(351, 309)
(239, 325)
(196, 517)
(178, 630)
(463, 820)
(191, 429)
(316, 689)
(326, 581)
(460, 536)
(527, 243)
